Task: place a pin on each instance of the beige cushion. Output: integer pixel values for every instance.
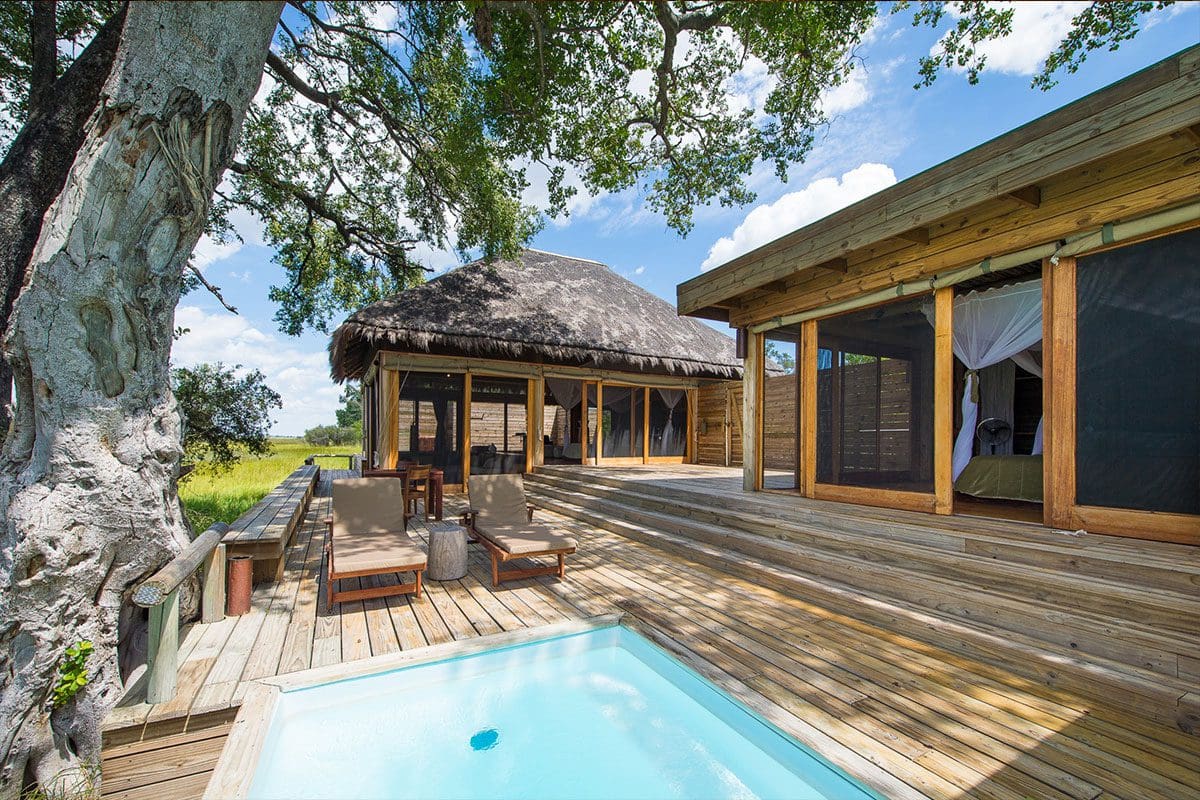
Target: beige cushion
(377, 551)
(498, 499)
(525, 539)
(368, 527)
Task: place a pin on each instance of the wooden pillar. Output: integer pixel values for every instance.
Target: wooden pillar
(693, 430)
(466, 434)
(943, 401)
(535, 414)
(163, 650)
(599, 421)
(807, 369)
(1058, 391)
(392, 420)
(751, 401)
(213, 597)
(646, 424)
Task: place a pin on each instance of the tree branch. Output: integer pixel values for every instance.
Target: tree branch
(43, 67)
(214, 290)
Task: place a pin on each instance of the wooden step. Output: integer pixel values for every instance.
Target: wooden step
(1151, 695)
(1164, 566)
(1122, 640)
(1173, 612)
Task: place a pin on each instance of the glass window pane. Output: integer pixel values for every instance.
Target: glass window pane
(668, 422)
(498, 425)
(781, 404)
(430, 421)
(621, 426)
(1138, 376)
(875, 398)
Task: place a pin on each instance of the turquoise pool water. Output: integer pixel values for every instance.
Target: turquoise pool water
(601, 714)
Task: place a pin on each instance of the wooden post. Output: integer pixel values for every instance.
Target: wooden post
(943, 401)
(599, 421)
(807, 369)
(535, 414)
(693, 409)
(466, 436)
(752, 391)
(584, 433)
(1058, 391)
(392, 421)
(213, 599)
(646, 425)
(163, 655)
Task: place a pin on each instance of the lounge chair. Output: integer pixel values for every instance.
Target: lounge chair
(367, 537)
(503, 521)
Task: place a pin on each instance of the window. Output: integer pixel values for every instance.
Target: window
(430, 421)
(781, 408)
(498, 430)
(875, 398)
(622, 421)
(1138, 376)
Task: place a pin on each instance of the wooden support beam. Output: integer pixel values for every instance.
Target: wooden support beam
(916, 236)
(1030, 196)
(807, 369)
(213, 598)
(1194, 132)
(1058, 390)
(466, 433)
(163, 650)
(943, 401)
(775, 286)
(751, 385)
(835, 265)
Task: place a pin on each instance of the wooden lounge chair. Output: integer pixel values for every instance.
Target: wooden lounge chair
(367, 537)
(503, 521)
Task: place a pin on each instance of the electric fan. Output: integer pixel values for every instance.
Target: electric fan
(992, 433)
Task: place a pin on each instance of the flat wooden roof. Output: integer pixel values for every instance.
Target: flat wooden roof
(1154, 102)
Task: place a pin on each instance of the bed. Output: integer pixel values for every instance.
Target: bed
(1003, 478)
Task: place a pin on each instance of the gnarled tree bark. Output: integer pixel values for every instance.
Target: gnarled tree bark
(88, 502)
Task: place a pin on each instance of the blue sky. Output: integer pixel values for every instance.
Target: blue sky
(881, 131)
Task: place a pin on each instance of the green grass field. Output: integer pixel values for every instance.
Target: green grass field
(212, 497)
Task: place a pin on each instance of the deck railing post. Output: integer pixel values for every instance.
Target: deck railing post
(213, 603)
(163, 650)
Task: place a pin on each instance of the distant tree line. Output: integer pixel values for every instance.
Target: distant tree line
(348, 429)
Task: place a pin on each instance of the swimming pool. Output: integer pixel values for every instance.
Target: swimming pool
(599, 714)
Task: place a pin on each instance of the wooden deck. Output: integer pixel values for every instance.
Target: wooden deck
(910, 718)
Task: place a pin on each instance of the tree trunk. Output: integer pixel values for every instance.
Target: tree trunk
(88, 502)
(36, 166)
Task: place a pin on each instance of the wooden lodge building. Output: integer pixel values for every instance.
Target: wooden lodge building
(1014, 332)
(503, 366)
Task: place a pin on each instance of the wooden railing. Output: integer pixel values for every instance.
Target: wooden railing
(160, 594)
(350, 457)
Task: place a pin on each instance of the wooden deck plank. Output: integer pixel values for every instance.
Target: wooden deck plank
(937, 723)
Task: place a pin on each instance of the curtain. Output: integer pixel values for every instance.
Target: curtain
(567, 393)
(989, 327)
(1031, 361)
(671, 398)
(388, 420)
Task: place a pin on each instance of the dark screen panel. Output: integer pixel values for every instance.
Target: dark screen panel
(1138, 376)
(875, 398)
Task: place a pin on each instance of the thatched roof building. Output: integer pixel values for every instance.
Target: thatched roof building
(540, 308)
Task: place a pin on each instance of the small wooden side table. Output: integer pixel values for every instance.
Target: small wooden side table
(447, 551)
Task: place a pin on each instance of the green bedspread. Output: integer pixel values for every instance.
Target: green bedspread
(1003, 478)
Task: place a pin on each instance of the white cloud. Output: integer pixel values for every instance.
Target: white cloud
(1037, 29)
(795, 209)
(537, 194)
(639, 270)
(848, 95)
(300, 376)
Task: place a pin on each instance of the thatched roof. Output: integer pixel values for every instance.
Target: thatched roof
(540, 308)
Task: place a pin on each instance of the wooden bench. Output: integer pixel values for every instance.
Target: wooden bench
(266, 529)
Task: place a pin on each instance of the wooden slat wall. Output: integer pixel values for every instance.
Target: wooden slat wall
(1160, 174)
(720, 408)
